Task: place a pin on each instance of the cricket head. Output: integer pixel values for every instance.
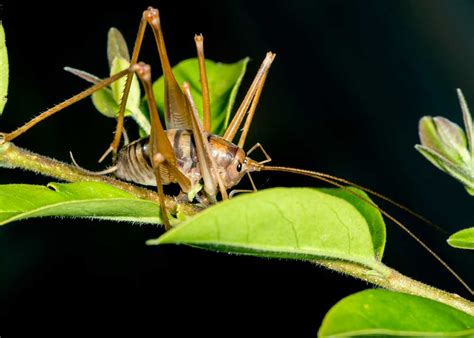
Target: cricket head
(231, 161)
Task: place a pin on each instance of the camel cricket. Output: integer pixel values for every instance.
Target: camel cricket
(186, 152)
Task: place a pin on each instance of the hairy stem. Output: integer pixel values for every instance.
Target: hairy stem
(390, 279)
(12, 156)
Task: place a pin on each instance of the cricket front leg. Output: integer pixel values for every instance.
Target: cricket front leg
(207, 165)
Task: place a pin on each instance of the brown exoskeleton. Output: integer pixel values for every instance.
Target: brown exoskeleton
(186, 152)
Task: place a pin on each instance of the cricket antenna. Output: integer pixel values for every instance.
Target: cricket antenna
(384, 198)
(337, 182)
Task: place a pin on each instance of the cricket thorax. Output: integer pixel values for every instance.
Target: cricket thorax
(229, 160)
(134, 164)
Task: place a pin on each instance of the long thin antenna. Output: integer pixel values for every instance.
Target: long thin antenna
(383, 197)
(329, 179)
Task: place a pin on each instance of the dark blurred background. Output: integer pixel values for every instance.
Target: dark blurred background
(344, 96)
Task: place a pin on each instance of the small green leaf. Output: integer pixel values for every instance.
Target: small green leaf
(297, 223)
(453, 138)
(223, 79)
(104, 102)
(429, 135)
(116, 46)
(432, 156)
(372, 215)
(461, 173)
(3, 70)
(388, 313)
(445, 138)
(466, 115)
(108, 101)
(449, 147)
(463, 239)
(133, 102)
(83, 199)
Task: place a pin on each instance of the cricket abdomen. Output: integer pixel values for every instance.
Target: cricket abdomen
(134, 164)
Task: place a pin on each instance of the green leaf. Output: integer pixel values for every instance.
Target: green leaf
(453, 138)
(372, 215)
(432, 156)
(223, 79)
(107, 101)
(104, 102)
(463, 239)
(83, 199)
(133, 102)
(388, 313)
(297, 223)
(429, 135)
(3, 70)
(116, 46)
(461, 173)
(466, 115)
(445, 138)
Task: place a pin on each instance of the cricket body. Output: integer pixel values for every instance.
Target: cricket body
(186, 152)
(134, 164)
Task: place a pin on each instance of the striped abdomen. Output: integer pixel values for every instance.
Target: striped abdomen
(133, 162)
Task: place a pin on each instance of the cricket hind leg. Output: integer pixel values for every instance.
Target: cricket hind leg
(7, 137)
(128, 83)
(161, 151)
(206, 102)
(251, 97)
(176, 108)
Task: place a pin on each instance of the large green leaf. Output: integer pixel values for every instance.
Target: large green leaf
(83, 199)
(3, 70)
(388, 313)
(223, 79)
(372, 215)
(463, 239)
(299, 223)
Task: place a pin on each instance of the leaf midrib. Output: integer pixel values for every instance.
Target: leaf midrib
(31, 213)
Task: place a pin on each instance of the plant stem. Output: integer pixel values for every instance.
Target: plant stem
(12, 156)
(393, 280)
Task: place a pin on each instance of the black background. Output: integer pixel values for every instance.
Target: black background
(348, 86)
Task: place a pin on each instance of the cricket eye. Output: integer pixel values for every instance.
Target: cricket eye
(239, 167)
